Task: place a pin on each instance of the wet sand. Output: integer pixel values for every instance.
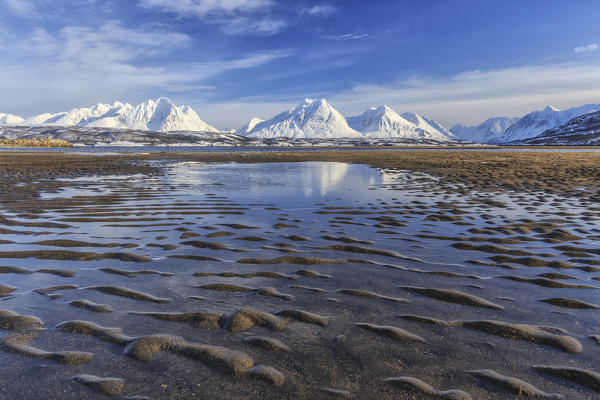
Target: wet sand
(448, 274)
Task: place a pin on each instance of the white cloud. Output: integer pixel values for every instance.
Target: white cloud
(235, 17)
(202, 8)
(245, 25)
(82, 65)
(471, 97)
(321, 10)
(23, 8)
(585, 49)
(348, 36)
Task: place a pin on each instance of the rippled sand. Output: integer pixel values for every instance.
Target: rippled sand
(452, 275)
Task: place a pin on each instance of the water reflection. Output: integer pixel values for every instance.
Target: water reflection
(291, 182)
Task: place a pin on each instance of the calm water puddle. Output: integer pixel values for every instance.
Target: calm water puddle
(200, 252)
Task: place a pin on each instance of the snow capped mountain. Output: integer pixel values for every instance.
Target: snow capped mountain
(247, 128)
(489, 131)
(310, 119)
(428, 125)
(159, 115)
(10, 119)
(383, 122)
(581, 131)
(537, 122)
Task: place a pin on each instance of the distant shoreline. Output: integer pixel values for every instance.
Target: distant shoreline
(19, 143)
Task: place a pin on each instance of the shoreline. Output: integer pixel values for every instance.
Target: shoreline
(552, 172)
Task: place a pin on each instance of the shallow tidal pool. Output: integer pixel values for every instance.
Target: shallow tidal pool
(300, 280)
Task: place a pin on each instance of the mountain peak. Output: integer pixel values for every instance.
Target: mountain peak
(154, 115)
(550, 108)
(164, 100)
(384, 122)
(313, 118)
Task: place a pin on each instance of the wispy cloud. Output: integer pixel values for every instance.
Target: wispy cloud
(82, 65)
(321, 10)
(472, 96)
(202, 8)
(347, 36)
(23, 8)
(585, 49)
(235, 17)
(208, 69)
(246, 25)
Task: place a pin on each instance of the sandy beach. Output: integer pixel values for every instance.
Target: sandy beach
(300, 274)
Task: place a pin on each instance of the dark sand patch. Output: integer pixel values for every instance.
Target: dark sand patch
(6, 289)
(417, 386)
(570, 303)
(105, 386)
(530, 333)
(547, 282)
(131, 274)
(128, 293)
(195, 258)
(218, 234)
(453, 296)
(15, 322)
(392, 332)
(267, 374)
(308, 288)
(488, 248)
(263, 291)
(261, 274)
(90, 305)
(298, 260)
(513, 385)
(65, 255)
(51, 289)
(579, 376)
(201, 320)
(346, 239)
(268, 343)
(20, 343)
(144, 348)
(77, 243)
(312, 274)
(339, 393)
(372, 295)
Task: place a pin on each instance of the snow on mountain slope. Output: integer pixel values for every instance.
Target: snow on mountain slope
(310, 119)
(489, 131)
(10, 119)
(537, 122)
(581, 131)
(383, 122)
(247, 128)
(160, 115)
(428, 125)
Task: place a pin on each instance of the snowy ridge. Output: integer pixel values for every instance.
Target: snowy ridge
(581, 131)
(159, 115)
(491, 130)
(310, 119)
(249, 126)
(6, 119)
(383, 122)
(537, 122)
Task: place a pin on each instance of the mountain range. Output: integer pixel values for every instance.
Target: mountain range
(310, 119)
(316, 118)
(502, 130)
(583, 130)
(384, 122)
(159, 115)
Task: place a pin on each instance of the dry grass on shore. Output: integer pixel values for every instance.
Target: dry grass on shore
(47, 142)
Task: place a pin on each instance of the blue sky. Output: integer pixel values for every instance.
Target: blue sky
(457, 61)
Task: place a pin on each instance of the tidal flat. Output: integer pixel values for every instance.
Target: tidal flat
(300, 275)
